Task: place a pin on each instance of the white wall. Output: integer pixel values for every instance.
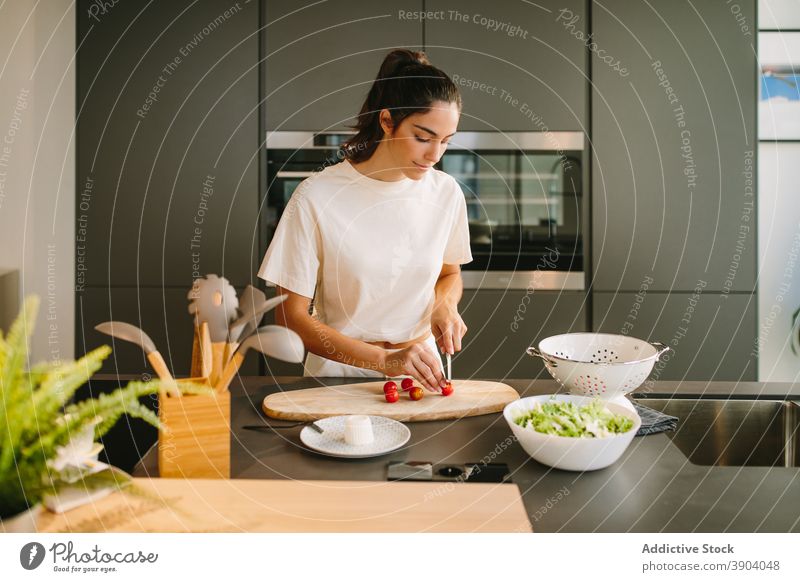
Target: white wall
(779, 258)
(778, 205)
(37, 164)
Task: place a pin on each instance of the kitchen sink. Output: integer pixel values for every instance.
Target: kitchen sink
(734, 433)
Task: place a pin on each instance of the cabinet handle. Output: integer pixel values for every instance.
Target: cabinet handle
(288, 174)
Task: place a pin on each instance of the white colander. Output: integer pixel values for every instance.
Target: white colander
(598, 364)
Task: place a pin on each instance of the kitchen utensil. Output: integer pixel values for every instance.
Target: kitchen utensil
(389, 436)
(131, 333)
(270, 427)
(202, 354)
(207, 351)
(196, 367)
(213, 299)
(470, 398)
(244, 326)
(271, 340)
(598, 364)
(250, 301)
(218, 350)
(570, 453)
(449, 367)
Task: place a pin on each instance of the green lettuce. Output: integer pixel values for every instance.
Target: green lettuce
(567, 419)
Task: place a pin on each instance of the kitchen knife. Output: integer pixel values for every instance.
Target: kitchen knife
(268, 427)
(449, 367)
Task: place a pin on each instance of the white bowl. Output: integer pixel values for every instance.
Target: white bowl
(570, 453)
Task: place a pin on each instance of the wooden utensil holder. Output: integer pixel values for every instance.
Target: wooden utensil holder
(198, 442)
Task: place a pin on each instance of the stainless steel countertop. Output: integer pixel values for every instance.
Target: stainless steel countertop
(653, 487)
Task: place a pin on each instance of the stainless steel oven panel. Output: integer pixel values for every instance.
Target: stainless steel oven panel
(517, 140)
(287, 174)
(537, 280)
(467, 140)
(300, 140)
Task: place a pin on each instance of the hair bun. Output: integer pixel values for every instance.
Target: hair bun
(398, 59)
(407, 83)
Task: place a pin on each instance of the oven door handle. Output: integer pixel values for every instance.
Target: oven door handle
(287, 174)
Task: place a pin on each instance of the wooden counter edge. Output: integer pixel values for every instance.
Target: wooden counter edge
(250, 505)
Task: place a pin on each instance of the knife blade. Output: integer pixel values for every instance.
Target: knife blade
(449, 367)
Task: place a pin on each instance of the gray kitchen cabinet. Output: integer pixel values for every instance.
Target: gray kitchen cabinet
(167, 142)
(502, 324)
(711, 334)
(160, 313)
(521, 66)
(673, 173)
(321, 58)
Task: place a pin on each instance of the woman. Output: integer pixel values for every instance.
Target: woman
(377, 240)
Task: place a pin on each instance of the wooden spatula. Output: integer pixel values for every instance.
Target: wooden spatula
(271, 340)
(131, 333)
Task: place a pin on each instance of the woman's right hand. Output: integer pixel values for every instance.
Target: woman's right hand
(416, 361)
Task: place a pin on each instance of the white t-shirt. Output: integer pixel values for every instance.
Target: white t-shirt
(372, 249)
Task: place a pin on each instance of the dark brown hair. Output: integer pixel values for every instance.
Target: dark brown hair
(406, 84)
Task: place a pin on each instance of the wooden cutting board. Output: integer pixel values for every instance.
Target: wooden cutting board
(471, 398)
(253, 505)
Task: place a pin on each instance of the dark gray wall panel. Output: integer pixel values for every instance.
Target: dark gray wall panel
(321, 58)
(502, 324)
(167, 101)
(526, 54)
(674, 165)
(711, 334)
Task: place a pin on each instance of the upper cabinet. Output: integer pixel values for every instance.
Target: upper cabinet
(167, 143)
(322, 57)
(521, 66)
(674, 139)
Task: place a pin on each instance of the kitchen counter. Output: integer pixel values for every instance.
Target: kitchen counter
(653, 487)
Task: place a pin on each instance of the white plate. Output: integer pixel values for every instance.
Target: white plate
(389, 436)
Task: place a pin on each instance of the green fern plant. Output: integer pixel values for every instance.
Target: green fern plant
(36, 416)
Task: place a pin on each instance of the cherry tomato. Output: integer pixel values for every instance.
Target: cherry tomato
(416, 393)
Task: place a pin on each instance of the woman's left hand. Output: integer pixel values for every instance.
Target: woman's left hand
(447, 326)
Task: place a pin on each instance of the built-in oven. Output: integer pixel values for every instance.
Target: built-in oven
(523, 190)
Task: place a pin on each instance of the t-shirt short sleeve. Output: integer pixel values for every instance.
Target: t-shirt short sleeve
(292, 260)
(457, 251)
